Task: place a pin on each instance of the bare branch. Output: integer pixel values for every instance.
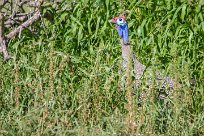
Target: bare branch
(3, 2)
(17, 20)
(30, 3)
(3, 47)
(14, 14)
(26, 24)
(34, 4)
(1, 24)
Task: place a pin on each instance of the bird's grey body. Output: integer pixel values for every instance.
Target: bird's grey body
(164, 83)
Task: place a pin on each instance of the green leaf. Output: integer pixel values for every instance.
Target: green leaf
(97, 26)
(183, 12)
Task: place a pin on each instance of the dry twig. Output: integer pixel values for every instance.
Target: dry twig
(17, 18)
(3, 47)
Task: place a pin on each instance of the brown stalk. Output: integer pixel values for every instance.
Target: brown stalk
(51, 71)
(17, 88)
(130, 105)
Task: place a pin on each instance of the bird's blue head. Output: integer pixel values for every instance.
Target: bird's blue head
(119, 21)
(122, 28)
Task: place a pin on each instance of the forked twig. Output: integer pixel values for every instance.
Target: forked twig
(23, 26)
(15, 18)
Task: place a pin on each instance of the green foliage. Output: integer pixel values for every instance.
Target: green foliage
(66, 81)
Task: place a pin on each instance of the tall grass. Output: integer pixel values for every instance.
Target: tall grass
(66, 81)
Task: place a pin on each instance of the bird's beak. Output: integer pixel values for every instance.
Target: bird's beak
(113, 20)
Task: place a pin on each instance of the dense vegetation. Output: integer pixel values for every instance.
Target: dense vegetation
(65, 81)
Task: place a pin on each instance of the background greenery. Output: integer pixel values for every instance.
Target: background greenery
(65, 81)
